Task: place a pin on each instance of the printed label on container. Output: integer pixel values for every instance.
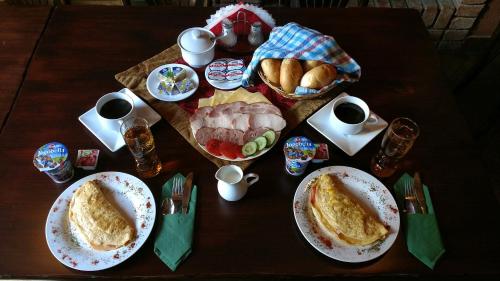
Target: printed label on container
(87, 158)
(50, 156)
(226, 70)
(298, 153)
(52, 159)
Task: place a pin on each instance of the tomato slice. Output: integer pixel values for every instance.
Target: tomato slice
(228, 150)
(213, 146)
(239, 152)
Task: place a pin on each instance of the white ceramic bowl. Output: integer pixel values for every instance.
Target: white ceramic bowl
(197, 46)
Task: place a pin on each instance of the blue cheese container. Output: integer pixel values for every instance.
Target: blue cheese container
(53, 160)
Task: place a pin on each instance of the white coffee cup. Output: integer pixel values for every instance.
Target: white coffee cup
(110, 122)
(232, 184)
(343, 126)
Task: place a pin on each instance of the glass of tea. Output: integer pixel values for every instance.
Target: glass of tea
(141, 144)
(397, 141)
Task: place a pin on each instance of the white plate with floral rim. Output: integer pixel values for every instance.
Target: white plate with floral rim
(370, 192)
(134, 199)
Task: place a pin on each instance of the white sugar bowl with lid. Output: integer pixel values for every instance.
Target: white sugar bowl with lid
(197, 46)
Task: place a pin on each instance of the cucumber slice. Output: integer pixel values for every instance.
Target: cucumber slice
(249, 148)
(270, 137)
(261, 142)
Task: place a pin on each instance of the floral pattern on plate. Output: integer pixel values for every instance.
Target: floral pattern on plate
(134, 199)
(370, 192)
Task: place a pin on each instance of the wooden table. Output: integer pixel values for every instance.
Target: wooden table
(82, 49)
(19, 31)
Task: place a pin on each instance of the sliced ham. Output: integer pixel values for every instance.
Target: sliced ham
(252, 134)
(203, 135)
(243, 107)
(262, 107)
(271, 121)
(241, 121)
(236, 122)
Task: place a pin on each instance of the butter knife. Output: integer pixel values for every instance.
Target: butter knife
(187, 192)
(419, 190)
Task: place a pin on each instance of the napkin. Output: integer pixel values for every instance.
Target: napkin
(175, 235)
(295, 41)
(421, 230)
(242, 15)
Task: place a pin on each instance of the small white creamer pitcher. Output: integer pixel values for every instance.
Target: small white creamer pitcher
(233, 185)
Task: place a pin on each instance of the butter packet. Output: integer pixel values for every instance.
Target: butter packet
(166, 87)
(87, 159)
(172, 74)
(185, 85)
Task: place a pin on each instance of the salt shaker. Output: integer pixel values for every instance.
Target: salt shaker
(255, 38)
(228, 37)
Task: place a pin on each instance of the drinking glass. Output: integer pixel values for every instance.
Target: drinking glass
(397, 141)
(140, 142)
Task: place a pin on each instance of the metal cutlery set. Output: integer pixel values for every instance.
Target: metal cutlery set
(181, 193)
(414, 196)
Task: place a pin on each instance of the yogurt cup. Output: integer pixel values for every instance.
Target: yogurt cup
(52, 159)
(299, 151)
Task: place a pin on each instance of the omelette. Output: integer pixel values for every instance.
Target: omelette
(99, 222)
(341, 215)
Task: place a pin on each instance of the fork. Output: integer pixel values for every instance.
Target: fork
(177, 190)
(410, 198)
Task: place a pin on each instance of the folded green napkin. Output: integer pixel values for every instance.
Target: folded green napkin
(422, 232)
(175, 233)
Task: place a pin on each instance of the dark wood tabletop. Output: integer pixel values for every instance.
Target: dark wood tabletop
(84, 47)
(19, 31)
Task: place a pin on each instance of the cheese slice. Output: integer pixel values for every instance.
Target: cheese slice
(341, 215)
(97, 220)
(240, 94)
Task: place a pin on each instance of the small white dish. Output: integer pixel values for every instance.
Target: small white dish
(224, 84)
(153, 81)
(350, 144)
(113, 139)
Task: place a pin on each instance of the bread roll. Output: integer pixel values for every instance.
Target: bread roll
(271, 69)
(290, 74)
(319, 76)
(310, 64)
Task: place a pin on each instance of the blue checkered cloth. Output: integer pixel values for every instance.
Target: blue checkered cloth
(298, 42)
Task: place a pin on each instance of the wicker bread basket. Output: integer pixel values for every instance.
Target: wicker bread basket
(293, 95)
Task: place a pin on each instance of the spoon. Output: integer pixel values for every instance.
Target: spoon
(167, 206)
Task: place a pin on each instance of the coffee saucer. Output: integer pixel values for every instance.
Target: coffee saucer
(350, 144)
(113, 139)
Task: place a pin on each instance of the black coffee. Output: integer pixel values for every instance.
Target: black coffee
(350, 113)
(115, 108)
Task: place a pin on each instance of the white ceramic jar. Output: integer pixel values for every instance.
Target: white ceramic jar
(197, 46)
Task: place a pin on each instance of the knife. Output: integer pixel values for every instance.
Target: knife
(187, 192)
(419, 190)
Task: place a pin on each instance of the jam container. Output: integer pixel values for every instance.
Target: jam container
(52, 159)
(299, 151)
